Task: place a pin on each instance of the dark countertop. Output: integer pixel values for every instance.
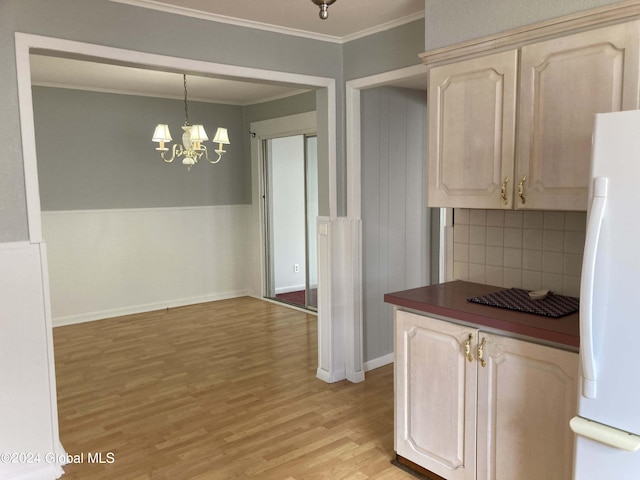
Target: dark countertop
(450, 300)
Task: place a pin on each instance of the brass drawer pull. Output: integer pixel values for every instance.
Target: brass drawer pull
(467, 348)
(481, 352)
(503, 190)
(521, 190)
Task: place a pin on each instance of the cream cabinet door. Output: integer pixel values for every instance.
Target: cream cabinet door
(563, 83)
(526, 397)
(435, 396)
(471, 108)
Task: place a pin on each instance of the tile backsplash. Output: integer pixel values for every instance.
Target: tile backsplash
(522, 249)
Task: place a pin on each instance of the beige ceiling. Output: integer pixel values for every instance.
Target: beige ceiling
(347, 19)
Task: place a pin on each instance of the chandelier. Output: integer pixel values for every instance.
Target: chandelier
(324, 7)
(192, 148)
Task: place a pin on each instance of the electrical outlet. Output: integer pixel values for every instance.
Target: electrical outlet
(296, 268)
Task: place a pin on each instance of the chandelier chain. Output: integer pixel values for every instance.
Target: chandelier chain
(186, 108)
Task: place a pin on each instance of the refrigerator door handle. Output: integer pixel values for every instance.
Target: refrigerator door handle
(594, 227)
(605, 434)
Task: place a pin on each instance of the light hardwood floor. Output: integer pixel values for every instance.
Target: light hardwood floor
(222, 390)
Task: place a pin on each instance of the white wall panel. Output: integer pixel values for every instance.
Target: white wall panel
(394, 213)
(104, 263)
(28, 416)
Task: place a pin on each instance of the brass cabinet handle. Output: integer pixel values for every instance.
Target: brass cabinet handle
(521, 190)
(467, 348)
(481, 352)
(503, 190)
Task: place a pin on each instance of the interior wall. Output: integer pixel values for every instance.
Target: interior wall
(95, 152)
(384, 51)
(453, 21)
(127, 232)
(396, 242)
(144, 30)
(110, 24)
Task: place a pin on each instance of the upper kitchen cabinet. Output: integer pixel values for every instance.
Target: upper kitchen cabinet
(471, 132)
(481, 157)
(564, 82)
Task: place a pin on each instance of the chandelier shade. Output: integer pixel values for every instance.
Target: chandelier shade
(222, 137)
(193, 137)
(162, 135)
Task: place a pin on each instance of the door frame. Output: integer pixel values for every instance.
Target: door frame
(287, 126)
(266, 196)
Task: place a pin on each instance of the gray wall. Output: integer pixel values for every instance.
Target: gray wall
(384, 51)
(95, 152)
(394, 214)
(118, 25)
(112, 24)
(448, 21)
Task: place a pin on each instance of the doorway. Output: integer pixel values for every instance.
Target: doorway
(290, 214)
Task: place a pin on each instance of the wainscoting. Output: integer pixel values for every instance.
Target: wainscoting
(106, 263)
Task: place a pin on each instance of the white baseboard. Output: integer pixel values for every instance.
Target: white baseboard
(331, 377)
(378, 362)
(149, 307)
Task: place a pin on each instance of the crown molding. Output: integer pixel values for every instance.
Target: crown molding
(135, 93)
(188, 12)
(383, 27)
(614, 13)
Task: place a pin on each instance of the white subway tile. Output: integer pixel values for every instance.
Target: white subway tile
(478, 217)
(478, 235)
(461, 216)
(495, 256)
(552, 262)
(553, 241)
(531, 280)
(513, 237)
(522, 249)
(532, 239)
(477, 273)
(532, 260)
(495, 276)
(533, 219)
(572, 264)
(575, 221)
(461, 252)
(553, 282)
(495, 236)
(513, 218)
(460, 270)
(571, 286)
(477, 254)
(495, 218)
(461, 233)
(574, 242)
(554, 220)
(513, 257)
(512, 278)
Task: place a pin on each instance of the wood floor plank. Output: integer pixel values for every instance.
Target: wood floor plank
(223, 390)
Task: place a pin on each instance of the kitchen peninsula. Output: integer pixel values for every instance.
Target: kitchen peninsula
(482, 392)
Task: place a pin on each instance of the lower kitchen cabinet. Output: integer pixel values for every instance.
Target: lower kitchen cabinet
(476, 405)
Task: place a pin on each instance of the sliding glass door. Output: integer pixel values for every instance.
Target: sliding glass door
(291, 210)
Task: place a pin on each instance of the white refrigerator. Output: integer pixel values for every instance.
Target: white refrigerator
(608, 423)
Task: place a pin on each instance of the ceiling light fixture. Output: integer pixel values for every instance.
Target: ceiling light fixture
(191, 149)
(324, 7)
